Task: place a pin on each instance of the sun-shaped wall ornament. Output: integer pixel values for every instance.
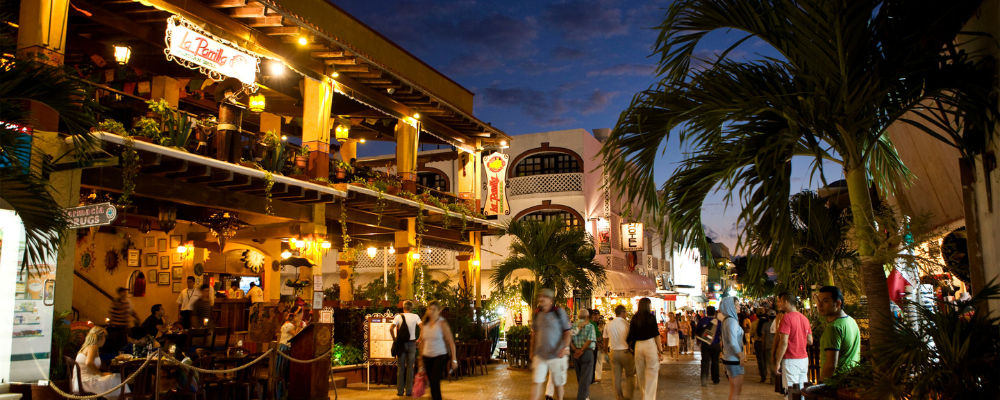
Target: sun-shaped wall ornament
(253, 260)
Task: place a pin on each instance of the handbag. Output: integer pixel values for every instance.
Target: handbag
(420, 384)
(708, 335)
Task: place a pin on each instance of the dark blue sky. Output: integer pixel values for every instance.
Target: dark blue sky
(538, 66)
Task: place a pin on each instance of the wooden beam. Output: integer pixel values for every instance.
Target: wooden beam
(341, 61)
(327, 54)
(281, 31)
(268, 21)
(253, 11)
(227, 3)
(110, 179)
(348, 68)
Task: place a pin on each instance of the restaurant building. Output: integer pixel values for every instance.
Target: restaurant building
(226, 151)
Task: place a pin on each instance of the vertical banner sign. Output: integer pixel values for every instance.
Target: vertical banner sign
(603, 236)
(191, 47)
(632, 237)
(496, 183)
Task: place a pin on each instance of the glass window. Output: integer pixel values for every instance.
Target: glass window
(547, 163)
(432, 180)
(569, 219)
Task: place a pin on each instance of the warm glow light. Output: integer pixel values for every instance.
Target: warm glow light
(392, 250)
(416, 116)
(276, 68)
(257, 102)
(284, 138)
(341, 131)
(205, 321)
(475, 263)
(335, 74)
(503, 143)
(182, 249)
(362, 140)
(286, 254)
(303, 41)
(122, 54)
(416, 256)
(293, 243)
(325, 245)
(371, 252)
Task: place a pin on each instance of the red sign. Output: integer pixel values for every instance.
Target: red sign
(670, 297)
(496, 179)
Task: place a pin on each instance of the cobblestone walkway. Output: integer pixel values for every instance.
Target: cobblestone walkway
(679, 380)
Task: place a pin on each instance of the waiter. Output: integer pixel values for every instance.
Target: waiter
(185, 302)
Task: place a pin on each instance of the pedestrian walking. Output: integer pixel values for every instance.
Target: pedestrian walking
(685, 333)
(118, 322)
(775, 359)
(602, 352)
(708, 338)
(550, 336)
(794, 334)
(583, 346)
(435, 344)
(840, 344)
(758, 335)
(404, 337)
(644, 338)
(622, 361)
(673, 336)
(732, 346)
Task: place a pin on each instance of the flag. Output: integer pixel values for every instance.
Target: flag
(897, 285)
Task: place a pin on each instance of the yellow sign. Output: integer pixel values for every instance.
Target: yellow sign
(632, 236)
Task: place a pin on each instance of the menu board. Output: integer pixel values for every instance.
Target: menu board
(378, 340)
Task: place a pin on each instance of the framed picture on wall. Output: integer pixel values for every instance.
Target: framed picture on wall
(175, 240)
(176, 258)
(164, 262)
(149, 242)
(161, 245)
(176, 287)
(177, 274)
(163, 278)
(133, 258)
(151, 259)
(150, 274)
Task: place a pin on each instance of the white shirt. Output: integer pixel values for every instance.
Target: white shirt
(256, 294)
(411, 322)
(187, 298)
(286, 333)
(615, 332)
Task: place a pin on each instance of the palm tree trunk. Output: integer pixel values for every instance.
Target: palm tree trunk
(976, 273)
(872, 272)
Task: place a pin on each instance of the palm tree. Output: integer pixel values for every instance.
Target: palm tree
(23, 177)
(560, 259)
(846, 71)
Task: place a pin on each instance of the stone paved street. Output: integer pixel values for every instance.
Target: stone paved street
(679, 380)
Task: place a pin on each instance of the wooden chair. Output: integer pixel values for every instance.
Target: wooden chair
(211, 383)
(485, 354)
(144, 385)
(465, 360)
(74, 371)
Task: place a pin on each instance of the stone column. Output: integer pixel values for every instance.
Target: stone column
(317, 98)
(42, 30)
(407, 137)
(406, 242)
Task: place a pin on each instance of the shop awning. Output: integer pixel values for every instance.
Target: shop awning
(629, 284)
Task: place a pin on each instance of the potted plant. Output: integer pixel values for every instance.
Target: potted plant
(341, 169)
(302, 158)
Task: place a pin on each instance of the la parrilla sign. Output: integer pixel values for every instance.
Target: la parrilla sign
(191, 47)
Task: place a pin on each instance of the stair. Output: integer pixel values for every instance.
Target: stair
(5, 393)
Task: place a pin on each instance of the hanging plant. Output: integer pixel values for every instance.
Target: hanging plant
(268, 184)
(420, 227)
(129, 162)
(343, 226)
(111, 261)
(379, 208)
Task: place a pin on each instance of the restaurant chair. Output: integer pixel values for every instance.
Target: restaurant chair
(199, 337)
(144, 385)
(485, 354)
(74, 371)
(211, 383)
(220, 332)
(464, 361)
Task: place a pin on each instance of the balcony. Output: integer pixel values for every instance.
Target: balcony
(547, 183)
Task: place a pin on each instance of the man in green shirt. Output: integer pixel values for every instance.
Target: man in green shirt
(840, 345)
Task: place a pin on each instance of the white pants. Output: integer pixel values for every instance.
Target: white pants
(554, 368)
(647, 368)
(794, 370)
(599, 365)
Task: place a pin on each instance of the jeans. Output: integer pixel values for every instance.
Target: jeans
(758, 348)
(405, 363)
(647, 367)
(435, 368)
(710, 360)
(584, 374)
(623, 368)
(281, 371)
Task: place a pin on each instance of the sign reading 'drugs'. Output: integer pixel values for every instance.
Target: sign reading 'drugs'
(632, 236)
(91, 215)
(189, 46)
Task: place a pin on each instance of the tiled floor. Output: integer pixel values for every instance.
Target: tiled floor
(679, 380)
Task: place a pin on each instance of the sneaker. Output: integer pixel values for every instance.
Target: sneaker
(703, 381)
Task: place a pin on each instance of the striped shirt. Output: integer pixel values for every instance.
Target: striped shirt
(121, 309)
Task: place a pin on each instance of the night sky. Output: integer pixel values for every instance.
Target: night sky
(538, 66)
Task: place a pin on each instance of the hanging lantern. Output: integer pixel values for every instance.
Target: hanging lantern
(123, 53)
(372, 252)
(223, 225)
(167, 218)
(257, 102)
(342, 131)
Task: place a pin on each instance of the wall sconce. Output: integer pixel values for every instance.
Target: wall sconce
(475, 263)
(325, 245)
(285, 254)
(371, 252)
(341, 132)
(182, 249)
(257, 102)
(392, 250)
(123, 53)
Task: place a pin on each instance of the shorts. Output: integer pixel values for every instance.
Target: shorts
(794, 370)
(557, 367)
(733, 370)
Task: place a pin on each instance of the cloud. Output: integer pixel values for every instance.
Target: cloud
(623, 70)
(597, 101)
(563, 53)
(710, 233)
(548, 108)
(588, 19)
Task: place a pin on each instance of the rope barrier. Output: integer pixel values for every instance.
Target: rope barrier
(112, 390)
(294, 360)
(171, 360)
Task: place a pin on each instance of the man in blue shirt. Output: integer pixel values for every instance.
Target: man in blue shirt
(708, 337)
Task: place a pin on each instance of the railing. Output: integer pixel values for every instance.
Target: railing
(548, 183)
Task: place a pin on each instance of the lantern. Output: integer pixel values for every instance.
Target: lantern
(123, 53)
(371, 252)
(342, 131)
(257, 102)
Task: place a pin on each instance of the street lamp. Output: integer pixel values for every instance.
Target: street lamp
(123, 53)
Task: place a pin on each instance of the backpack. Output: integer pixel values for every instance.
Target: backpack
(402, 337)
(707, 335)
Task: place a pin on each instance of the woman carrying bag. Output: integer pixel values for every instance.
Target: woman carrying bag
(435, 345)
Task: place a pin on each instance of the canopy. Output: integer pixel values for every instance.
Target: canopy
(629, 284)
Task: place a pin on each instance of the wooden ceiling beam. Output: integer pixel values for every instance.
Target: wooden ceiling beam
(341, 61)
(254, 11)
(281, 31)
(348, 68)
(327, 54)
(269, 21)
(227, 3)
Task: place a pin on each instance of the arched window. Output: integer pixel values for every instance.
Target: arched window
(547, 163)
(569, 219)
(432, 180)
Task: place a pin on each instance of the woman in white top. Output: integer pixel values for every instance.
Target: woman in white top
(434, 344)
(291, 327)
(88, 361)
(673, 335)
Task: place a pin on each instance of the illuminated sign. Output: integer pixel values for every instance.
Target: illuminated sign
(603, 236)
(496, 184)
(215, 57)
(91, 215)
(632, 237)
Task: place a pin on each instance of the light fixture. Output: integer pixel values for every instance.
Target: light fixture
(182, 249)
(390, 90)
(392, 250)
(303, 41)
(284, 138)
(475, 263)
(325, 245)
(341, 131)
(276, 68)
(123, 53)
(371, 252)
(286, 254)
(503, 143)
(293, 243)
(416, 115)
(257, 102)
(416, 256)
(362, 140)
(335, 74)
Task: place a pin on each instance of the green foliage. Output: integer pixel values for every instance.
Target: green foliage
(274, 153)
(129, 162)
(378, 290)
(148, 128)
(175, 127)
(558, 258)
(112, 126)
(342, 354)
